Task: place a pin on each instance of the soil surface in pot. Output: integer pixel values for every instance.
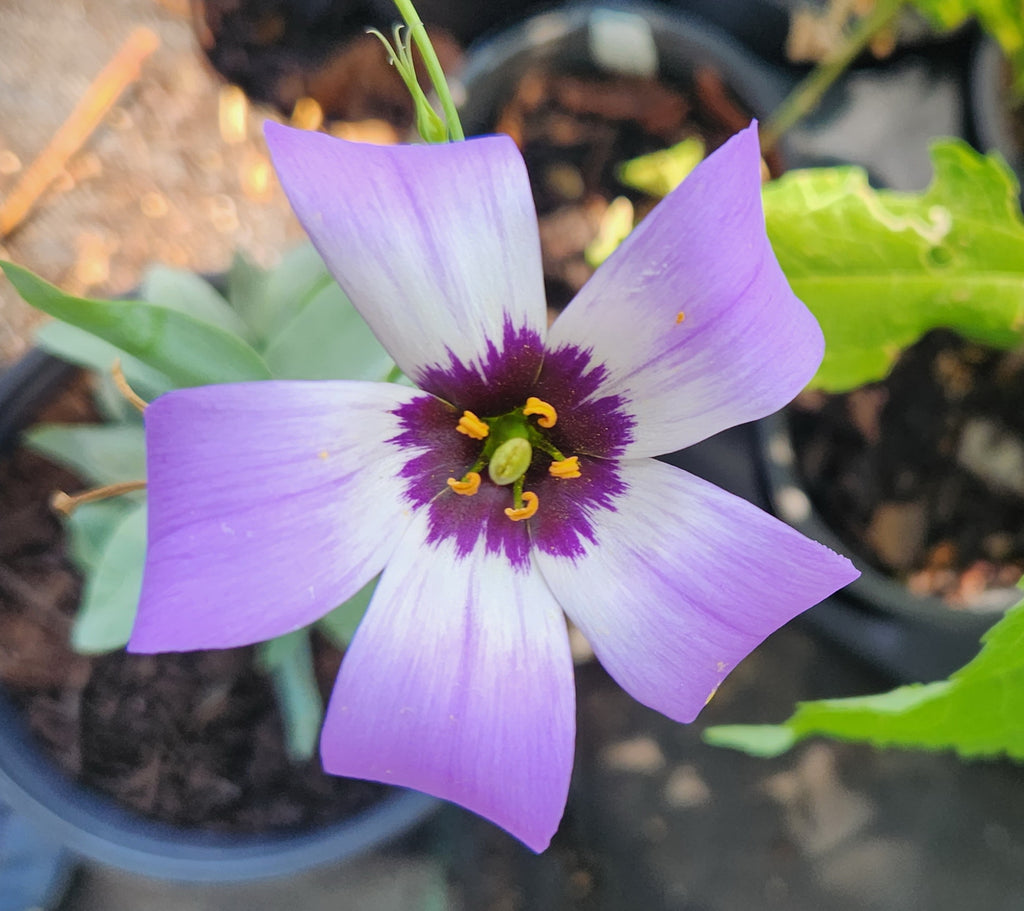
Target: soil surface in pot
(190, 739)
(923, 474)
(576, 127)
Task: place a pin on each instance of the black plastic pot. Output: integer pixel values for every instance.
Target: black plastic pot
(913, 637)
(992, 106)
(94, 825)
(613, 38)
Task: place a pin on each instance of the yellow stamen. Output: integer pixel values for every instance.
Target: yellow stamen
(472, 426)
(680, 316)
(548, 415)
(67, 504)
(566, 468)
(468, 486)
(122, 386)
(529, 507)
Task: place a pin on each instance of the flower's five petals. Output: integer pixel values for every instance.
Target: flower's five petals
(269, 504)
(685, 580)
(453, 257)
(459, 683)
(692, 315)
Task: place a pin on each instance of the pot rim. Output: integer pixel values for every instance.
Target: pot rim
(494, 64)
(986, 92)
(99, 828)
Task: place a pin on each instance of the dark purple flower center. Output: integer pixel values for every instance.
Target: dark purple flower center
(591, 426)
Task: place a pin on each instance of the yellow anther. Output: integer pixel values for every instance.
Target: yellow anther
(680, 316)
(548, 415)
(472, 426)
(566, 468)
(529, 507)
(468, 486)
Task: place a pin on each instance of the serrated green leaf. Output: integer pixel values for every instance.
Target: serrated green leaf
(90, 526)
(327, 340)
(977, 712)
(880, 268)
(299, 276)
(1002, 19)
(762, 740)
(186, 292)
(659, 173)
(111, 595)
(76, 346)
(190, 352)
(100, 453)
(288, 660)
(341, 623)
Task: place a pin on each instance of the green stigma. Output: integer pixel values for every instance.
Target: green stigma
(510, 460)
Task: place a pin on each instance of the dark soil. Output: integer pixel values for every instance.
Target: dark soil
(923, 474)
(190, 739)
(576, 128)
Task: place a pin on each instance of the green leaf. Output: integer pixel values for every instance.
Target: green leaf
(294, 282)
(1002, 19)
(880, 268)
(90, 526)
(246, 291)
(340, 624)
(190, 352)
(186, 292)
(100, 453)
(327, 340)
(977, 712)
(76, 346)
(111, 596)
(659, 173)
(288, 660)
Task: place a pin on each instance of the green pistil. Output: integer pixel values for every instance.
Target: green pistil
(517, 493)
(510, 461)
(509, 447)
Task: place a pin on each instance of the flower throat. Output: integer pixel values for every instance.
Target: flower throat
(509, 443)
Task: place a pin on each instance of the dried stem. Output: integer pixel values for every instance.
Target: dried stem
(99, 98)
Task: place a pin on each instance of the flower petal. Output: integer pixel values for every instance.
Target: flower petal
(683, 581)
(436, 245)
(269, 504)
(459, 683)
(692, 315)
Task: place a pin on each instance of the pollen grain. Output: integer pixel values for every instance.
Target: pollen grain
(468, 486)
(548, 415)
(472, 426)
(529, 507)
(680, 316)
(565, 468)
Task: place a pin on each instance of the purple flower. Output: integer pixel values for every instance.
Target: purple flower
(270, 503)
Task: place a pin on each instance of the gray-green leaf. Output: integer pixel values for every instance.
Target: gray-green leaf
(100, 453)
(327, 340)
(288, 660)
(76, 346)
(179, 289)
(341, 623)
(111, 597)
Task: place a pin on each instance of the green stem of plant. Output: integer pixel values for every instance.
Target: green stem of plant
(434, 71)
(805, 97)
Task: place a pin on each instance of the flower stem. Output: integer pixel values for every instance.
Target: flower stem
(805, 96)
(434, 71)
